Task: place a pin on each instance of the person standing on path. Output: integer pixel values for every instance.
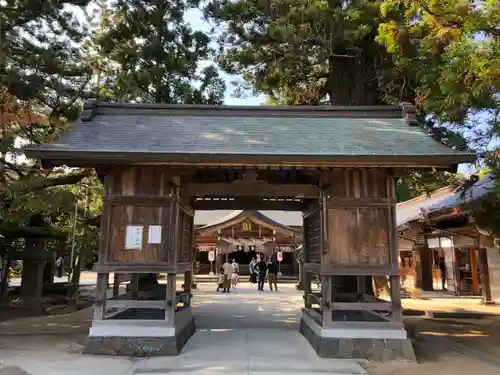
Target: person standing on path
(220, 279)
(252, 269)
(60, 266)
(442, 267)
(228, 271)
(236, 271)
(262, 268)
(272, 272)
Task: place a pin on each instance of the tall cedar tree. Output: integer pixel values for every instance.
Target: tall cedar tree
(144, 51)
(310, 52)
(303, 52)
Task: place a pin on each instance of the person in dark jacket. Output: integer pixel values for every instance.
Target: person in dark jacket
(272, 272)
(442, 267)
(252, 267)
(262, 268)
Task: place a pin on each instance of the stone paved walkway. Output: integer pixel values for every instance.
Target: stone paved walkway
(244, 332)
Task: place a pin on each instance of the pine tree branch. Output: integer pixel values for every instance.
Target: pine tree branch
(12, 167)
(70, 179)
(10, 230)
(95, 221)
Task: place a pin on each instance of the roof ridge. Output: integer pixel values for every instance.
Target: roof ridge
(222, 220)
(405, 111)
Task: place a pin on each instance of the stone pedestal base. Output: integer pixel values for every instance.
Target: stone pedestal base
(136, 345)
(356, 346)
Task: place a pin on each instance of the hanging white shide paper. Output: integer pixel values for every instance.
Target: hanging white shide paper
(133, 237)
(154, 234)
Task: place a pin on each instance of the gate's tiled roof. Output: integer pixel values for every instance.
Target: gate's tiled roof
(122, 130)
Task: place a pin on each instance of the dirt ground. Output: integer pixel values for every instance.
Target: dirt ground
(436, 358)
(446, 364)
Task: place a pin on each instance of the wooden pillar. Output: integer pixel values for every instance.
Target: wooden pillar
(326, 288)
(417, 266)
(101, 296)
(171, 298)
(426, 268)
(134, 285)
(473, 267)
(456, 268)
(295, 265)
(116, 284)
(188, 282)
(395, 283)
(300, 283)
(306, 280)
(361, 284)
(103, 278)
(485, 276)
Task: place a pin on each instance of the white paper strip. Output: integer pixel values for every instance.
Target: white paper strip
(154, 234)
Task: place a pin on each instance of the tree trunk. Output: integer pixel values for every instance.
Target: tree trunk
(4, 281)
(75, 277)
(354, 82)
(49, 271)
(300, 284)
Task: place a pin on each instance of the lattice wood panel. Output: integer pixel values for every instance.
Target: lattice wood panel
(186, 240)
(312, 231)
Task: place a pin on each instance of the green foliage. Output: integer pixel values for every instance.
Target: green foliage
(44, 77)
(336, 52)
(16, 270)
(302, 52)
(411, 185)
(146, 52)
(37, 202)
(454, 48)
(299, 254)
(40, 56)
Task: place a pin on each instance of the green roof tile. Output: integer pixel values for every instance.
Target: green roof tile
(247, 131)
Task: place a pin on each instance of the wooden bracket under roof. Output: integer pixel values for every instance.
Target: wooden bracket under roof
(89, 110)
(409, 113)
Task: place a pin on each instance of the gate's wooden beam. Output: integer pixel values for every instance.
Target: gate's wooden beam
(219, 203)
(251, 190)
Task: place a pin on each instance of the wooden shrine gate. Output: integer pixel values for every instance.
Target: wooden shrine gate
(338, 165)
(146, 229)
(350, 237)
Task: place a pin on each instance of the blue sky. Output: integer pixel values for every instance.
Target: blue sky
(195, 18)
